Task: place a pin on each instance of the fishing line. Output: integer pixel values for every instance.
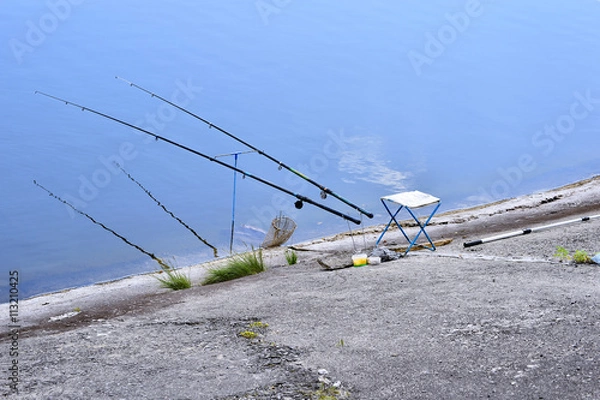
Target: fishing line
(167, 210)
(363, 235)
(160, 262)
(352, 237)
(324, 190)
(301, 199)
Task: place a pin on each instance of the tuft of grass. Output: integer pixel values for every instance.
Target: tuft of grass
(291, 257)
(238, 266)
(174, 280)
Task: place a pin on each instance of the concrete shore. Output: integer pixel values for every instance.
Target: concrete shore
(503, 320)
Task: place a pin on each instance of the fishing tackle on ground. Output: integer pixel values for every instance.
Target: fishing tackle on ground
(527, 231)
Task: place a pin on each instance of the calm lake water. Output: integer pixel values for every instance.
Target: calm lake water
(471, 101)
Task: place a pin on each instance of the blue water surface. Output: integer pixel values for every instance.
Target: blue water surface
(471, 101)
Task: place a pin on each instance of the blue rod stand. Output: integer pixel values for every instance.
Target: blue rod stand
(235, 162)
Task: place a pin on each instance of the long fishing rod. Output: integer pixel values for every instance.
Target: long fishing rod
(160, 262)
(301, 199)
(527, 231)
(189, 228)
(324, 190)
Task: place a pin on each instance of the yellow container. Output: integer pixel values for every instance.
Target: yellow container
(359, 260)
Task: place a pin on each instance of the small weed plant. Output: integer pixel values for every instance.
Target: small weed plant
(582, 257)
(249, 334)
(579, 257)
(259, 325)
(562, 253)
(253, 327)
(238, 266)
(291, 257)
(328, 393)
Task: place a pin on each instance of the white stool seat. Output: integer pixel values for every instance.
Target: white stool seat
(414, 199)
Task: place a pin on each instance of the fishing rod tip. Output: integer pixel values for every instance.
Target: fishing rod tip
(124, 80)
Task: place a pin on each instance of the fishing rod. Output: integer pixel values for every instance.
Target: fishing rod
(324, 190)
(527, 231)
(165, 209)
(160, 262)
(298, 204)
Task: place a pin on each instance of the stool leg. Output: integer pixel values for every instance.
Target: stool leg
(427, 222)
(422, 229)
(392, 219)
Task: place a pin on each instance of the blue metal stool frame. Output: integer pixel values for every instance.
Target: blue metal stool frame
(409, 201)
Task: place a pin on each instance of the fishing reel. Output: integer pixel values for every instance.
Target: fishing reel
(299, 204)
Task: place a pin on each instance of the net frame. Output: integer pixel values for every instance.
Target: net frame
(282, 228)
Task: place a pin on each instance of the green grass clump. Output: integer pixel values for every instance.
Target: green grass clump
(238, 266)
(582, 257)
(291, 257)
(174, 280)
